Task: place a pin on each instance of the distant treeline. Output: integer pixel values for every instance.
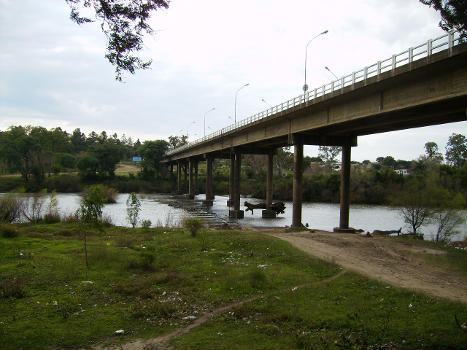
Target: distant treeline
(56, 160)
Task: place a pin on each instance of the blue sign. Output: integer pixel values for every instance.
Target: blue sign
(137, 159)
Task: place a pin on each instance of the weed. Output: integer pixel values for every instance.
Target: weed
(8, 231)
(257, 278)
(125, 241)
(12, 288)
(193, 225)
(144, 261)
(153, 308)
(11, 206)
(146, 224)
(67, 305)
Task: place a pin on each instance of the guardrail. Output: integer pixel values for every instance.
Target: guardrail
(432, 46)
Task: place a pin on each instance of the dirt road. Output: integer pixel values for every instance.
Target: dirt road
(399, 262)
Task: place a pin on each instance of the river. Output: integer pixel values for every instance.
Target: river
(170, 210)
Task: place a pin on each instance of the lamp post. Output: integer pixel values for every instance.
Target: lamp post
(266, 102)
(236, 93)
(330, 71)
(305, 86)
(204, 119)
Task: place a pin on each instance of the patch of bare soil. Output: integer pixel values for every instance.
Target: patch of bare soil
(397, 262)
(126, 168)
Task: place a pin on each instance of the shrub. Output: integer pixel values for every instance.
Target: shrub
(8, 231)
(108, 194)
(133, 207)
(11, 207)
(193, 225)
(92, 203)
(146, 224)
(12, 288)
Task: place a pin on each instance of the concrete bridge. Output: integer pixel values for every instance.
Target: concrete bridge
(424, 85)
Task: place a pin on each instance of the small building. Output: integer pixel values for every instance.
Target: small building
(402, 171)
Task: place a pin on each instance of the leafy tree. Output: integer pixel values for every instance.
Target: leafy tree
(87, 165)
(124, 22)
(152, 153)
(78, 141)
(283, 160)
(445, 214)
(414, 203)
(456, 150)
(177, 141)
(107, 155)
(431, 151)
(133, 207)
(329, 155)
(453, 14)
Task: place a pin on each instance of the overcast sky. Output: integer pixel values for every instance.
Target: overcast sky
(53, 72)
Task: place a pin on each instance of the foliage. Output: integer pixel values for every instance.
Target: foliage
(11, 207)
(193, 225)
(446, 214)
(8, 231)
(124, 23)
(80, 307)
(33, 206)
(133, 207)
(453, 14)
(456, 150)
(177, 141)
(431, 151)
(152, 153)
(52, 215)
(87, 165)
(414, 203)
(146, 224)
(329, 155)
(108, 194)
(92, 202)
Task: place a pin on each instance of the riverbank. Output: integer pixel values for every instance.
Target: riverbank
(223, 289)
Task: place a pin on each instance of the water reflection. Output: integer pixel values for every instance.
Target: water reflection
(169, 210)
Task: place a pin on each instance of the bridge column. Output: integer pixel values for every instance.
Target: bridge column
(297, 184)
(179, 177)
(185, 173)
(236, 213)
(268, 213)
(231, 182)
(209, 189)
(195, 187)
(191, 193)
(345, 191)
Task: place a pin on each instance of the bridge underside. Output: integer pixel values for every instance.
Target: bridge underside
(427, 92)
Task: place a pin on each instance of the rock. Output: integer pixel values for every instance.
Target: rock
(189, 318)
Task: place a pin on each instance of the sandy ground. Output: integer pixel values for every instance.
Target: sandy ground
(398, 262)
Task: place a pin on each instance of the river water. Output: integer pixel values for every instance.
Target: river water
(170, 210)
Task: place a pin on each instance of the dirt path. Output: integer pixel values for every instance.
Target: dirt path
(401, 263)
(160, 343)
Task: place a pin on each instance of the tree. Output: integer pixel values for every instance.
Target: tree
(456, 150)
(431, 150)
(445, 213)
(107, 155)
(329, 155)
(133, 207)
(177, 141)
(87, 165)
(414, 205)
(152, 153)
(453, 14)
(124, 23)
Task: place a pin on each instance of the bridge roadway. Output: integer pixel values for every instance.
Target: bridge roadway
(404, 91)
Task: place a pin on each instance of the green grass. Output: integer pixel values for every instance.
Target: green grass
(146, 280)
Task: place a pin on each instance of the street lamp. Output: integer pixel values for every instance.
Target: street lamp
(305, 86)
(330, 71)
(266, 102)
(236, 93)
(204, 119)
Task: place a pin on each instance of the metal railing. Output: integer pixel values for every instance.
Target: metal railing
(432, 46)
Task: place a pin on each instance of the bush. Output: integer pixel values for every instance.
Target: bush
(146, 224)
(108, 194)
(11, 206)
(193, 225)
(92, 203)
(12, 288)
(8, 231)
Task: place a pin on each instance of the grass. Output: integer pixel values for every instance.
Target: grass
(146, 281)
